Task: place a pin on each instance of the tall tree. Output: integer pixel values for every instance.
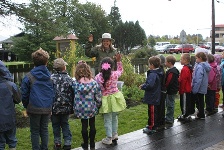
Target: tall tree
(128, 34)
(42, 24)
(7, 7)
(88, 18)
(114, 16)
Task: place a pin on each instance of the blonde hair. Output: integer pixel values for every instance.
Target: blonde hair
(40, 57)
(187, 57)
(82, 70)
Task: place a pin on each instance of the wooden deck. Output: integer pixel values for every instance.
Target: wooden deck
(196, 135)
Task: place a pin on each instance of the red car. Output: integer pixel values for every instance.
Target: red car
(185, 48)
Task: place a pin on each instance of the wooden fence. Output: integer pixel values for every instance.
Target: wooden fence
(19, 71)
(140, 65)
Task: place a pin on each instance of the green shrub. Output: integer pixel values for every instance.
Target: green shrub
(132, 92)
(129, 77)
(145, 52)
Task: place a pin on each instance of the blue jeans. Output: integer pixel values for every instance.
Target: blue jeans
(110, 123)
(170, 104)
(60, 122)
(39, 129)
(8, 137)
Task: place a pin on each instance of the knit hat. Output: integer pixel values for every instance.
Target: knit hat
(59, 63)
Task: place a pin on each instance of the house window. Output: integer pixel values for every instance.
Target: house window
(216, 35)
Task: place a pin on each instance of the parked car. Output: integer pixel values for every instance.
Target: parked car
(219, 48)
(185, 48)
(165, 48)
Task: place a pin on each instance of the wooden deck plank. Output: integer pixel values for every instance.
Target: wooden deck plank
(198, 134)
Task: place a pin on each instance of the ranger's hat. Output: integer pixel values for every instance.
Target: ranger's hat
(59, 63)
(106, 36)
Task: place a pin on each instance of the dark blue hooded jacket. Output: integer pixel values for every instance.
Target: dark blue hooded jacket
(152, 87)
(38, 96)
(9, 95)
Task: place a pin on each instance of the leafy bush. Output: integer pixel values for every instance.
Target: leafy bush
(132, 92)
(145, 52)
(131, 81)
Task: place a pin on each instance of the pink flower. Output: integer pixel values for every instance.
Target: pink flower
(105, 66)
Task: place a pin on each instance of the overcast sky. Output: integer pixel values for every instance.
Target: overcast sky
(156, 17)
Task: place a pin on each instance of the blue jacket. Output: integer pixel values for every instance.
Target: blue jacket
(200, 78)
(152, 87)
(10, 96)
(222, 72)
(38, 97)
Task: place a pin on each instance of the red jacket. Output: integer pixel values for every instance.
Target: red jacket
(185, 79)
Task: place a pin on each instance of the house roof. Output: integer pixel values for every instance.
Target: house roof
(9, 40)
(69, 37)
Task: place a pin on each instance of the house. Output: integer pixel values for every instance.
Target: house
(219, 33)
(5, 45)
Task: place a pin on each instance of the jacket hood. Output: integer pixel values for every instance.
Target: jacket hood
(4, 72)
(218, 58)
(213, 64)
(41, 73)
(206, 66)
(190, 67)
(158, 71)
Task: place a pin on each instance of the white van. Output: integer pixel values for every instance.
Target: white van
(162, 43)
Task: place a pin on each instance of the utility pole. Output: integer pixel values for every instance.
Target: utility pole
(213, 27)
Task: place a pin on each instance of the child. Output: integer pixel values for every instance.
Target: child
(218, 76)
(161, 106)
(200, 83)
(113, 100)
(87, 102)
(222, 78)
(212, 85)
(10, 96)
(172, 75)
(152, 95)
(185, 79)
(37, 97)
(62, 105)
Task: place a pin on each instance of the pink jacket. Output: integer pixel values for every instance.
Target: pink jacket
(111, 85)
(212, 80)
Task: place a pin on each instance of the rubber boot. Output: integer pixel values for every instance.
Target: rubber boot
(85, 140)
(92, 134)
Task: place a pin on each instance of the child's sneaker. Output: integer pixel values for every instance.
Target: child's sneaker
(148, 131)
(107, 140)
(67, 147)
(201, 118)
(115, 136)
(57, 146)
(181, 118)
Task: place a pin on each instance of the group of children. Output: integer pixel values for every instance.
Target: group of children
(198, 86)
(56, 96)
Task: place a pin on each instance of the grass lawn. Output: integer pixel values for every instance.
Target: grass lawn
(131, 119)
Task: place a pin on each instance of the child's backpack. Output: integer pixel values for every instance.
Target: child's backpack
(42, 91)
